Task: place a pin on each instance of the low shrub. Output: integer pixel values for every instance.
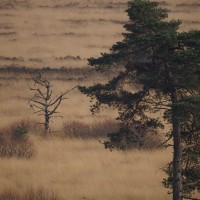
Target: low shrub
(14, 141)
(75, 129)
(116, 137)
(29, 194)
(22, 127)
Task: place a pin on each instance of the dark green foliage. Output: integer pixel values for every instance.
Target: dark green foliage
(189, 115)
(20, 130)
(128, 138)
(124, 139)
(158, 69)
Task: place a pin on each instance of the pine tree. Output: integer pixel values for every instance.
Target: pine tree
(158, 68)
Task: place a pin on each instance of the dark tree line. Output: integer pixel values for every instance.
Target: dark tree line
(158, 69)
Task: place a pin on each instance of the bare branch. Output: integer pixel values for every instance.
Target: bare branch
(35, 101)
(69, 90)
(38, 90)
(59, 101)
(60, 97)
(39, 111)
(38, 97)
(33, 105)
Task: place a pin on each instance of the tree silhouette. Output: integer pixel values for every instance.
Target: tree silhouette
(43, 103)
(158, 69)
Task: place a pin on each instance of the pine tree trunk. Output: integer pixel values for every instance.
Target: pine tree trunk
(177, 178)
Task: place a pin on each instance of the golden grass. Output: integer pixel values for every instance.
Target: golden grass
(77, 169)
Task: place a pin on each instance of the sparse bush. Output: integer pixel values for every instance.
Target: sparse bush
(75, 129)
(111, 130)
(30, 194)
(14, 141)
(22, 127)
(19, 130)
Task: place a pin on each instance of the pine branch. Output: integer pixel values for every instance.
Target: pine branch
(185, 197)
(162, 144)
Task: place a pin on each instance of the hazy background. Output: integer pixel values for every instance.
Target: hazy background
(56, 33)
(63, 34)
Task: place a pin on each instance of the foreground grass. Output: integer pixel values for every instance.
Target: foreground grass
(78, 169)
(28, 194)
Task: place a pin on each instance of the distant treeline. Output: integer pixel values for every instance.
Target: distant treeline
(31, 70)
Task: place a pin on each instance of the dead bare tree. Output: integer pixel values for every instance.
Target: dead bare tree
(43, 103)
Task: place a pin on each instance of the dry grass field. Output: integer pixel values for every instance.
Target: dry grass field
(58, 36)
(77, 169)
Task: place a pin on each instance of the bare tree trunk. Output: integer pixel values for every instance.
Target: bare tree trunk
(46, 124)
(177, 154)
